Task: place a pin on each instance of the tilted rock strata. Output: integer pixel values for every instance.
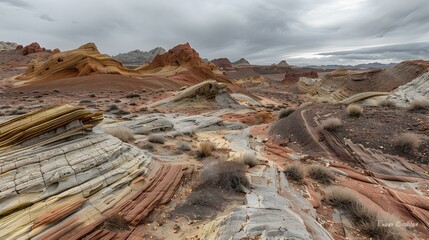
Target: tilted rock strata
(70, 189)
(85, 60)
(36, 126)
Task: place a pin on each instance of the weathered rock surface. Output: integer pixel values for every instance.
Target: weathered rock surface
(343, 83)
(418, 89)
(85, 60)
(294, 77)
(45, 125)
(211, 90)
(6, 46)
(223, 63)
(71, 189)
(32, 48)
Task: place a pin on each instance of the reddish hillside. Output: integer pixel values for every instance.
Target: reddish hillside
(195, 70)
(222, 63)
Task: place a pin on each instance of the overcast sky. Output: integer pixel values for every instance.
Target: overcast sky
(262, 31)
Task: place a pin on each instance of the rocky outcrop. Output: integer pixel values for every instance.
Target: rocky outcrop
(32, 48)
(184, 65)
(212, 91)
(418, 89)
(241, 61)
(137, 57)
(86, 60)
(223, 63)
(6, 46)
(294, 77)
(343, 83)
(79, 187)
(45, 125)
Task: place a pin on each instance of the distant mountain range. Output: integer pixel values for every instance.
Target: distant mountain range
(359, 66)
(138, 57)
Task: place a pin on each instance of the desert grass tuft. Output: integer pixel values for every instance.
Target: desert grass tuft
(156, 138)
(320, 174)
(354, 110)
(295, 172)
(205, 149)
(332, 124)
(183, 146)
(226, 175)
(368, 220)
(250, 159)
(407, 142)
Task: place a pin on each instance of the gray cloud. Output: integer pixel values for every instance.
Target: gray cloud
(16, 3)
(46, 17)
(263, 31)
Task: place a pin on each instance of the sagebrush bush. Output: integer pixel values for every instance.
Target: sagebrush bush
(295, 172)
(407, 142)
(354, 110)
(368, 220)
(419, 104)
(156, 138)
(183, 146)
(285, 112)
(320, 174)
(250, 159)
(226, 175)
(332, 124)
(205, 149)
(123, 133)
(132, 95)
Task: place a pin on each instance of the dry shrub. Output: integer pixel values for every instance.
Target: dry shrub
(332, 124)
(183, 146)
(368, 220)
(123, 133)
(407, 142)
(249, 159)
(419, 104)
(115, 223)
(354, 110)
(156, 138)
(226, 175)
(146, 146)
(295, 172)
(262, 117)
(205, 149)
(320, 174)
(285, 112)
(132, 95)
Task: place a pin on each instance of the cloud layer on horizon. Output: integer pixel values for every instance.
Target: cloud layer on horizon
(302, 32)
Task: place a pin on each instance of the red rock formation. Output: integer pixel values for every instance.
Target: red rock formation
(191, 68)
(294, 77)
(55, 51)
(19, 47)
(32, 48)
(222, 63)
